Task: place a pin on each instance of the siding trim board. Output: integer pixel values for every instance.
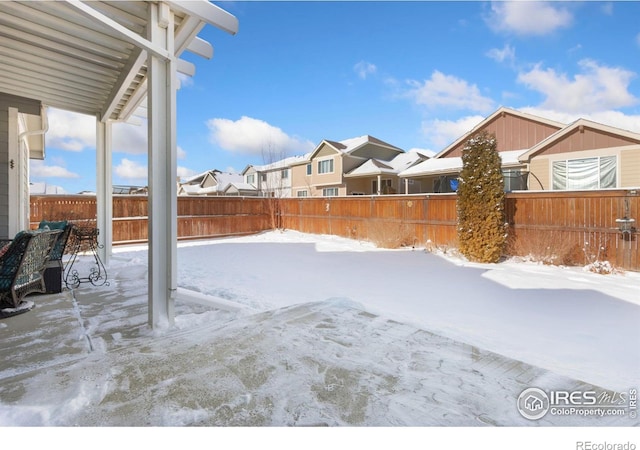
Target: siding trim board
(598, 137)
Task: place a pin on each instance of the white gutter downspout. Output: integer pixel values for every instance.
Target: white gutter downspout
(24, 204)
(45, 121)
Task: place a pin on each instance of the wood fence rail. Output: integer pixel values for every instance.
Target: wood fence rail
(577, 227)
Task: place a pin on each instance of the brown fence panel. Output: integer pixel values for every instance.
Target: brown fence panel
(130, 230)
(581, 224)
(61, 207)
(198, 217)
(126, 206)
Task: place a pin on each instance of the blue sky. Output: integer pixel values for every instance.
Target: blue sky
(415, 74)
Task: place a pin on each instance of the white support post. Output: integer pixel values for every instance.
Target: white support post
(406, 186)
(162, 162)
(104, 190)
(379, 184)
(13, 177)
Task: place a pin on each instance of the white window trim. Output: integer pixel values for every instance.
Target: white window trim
(335, 189)
(333, 165)
(598, 157)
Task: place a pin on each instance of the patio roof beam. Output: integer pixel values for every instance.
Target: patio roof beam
(201, 48)
(127, 76)
(120, 30)
(208, 13)
(135, 101)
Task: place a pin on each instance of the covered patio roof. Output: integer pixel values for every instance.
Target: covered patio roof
(91, 57)
(439, 166)
(108, 59)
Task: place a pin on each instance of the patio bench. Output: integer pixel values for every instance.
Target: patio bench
(22, 264)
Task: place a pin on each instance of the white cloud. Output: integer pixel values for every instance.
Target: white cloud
(183, 172)
(528, 17)
(77, 132)
(181, 153)
(131, 170)
(638, 39)
(364, 69)
(506, 54)
(130, 139)
(254, 137)
(70, 131)
(185, 80)
(422, 151)
(450, 92)
(597, 88)
(612, 118)
(441, 133)
(607, 8)
(39, 169)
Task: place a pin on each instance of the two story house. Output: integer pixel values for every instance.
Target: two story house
(211, 182)
(273, 179)
(330, 169)
(542, 154)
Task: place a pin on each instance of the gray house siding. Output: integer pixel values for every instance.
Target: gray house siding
(24, 105)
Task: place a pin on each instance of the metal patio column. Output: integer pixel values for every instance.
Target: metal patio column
(162, 214)
(104, 197)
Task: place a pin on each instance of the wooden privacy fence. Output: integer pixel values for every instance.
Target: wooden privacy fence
(571, 227)
(198, 217)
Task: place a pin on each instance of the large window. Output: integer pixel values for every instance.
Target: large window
(251, 178)
(309, 169)
(303, 193)
(585, 173)
(385, 186)
(330, 192)
(514, 180)
(325, 166)
(445, 184)
(285, 174)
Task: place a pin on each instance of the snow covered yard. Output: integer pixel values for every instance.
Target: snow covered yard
(330, 331)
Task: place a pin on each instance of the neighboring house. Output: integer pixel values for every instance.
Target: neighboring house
(375, 177)
(516, 133)
(240, 189)
(273, 179)
(23, 123)
(324, 171)
(585, 155)
(130, 190)
(212, 182)
(42, 188)
(540, 154)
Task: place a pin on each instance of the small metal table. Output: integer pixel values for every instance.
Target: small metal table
(85, 239)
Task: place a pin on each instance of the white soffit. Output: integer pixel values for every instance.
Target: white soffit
(90, 57)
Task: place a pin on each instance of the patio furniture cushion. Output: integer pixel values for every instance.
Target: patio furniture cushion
(4, 248)
(61, 242)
